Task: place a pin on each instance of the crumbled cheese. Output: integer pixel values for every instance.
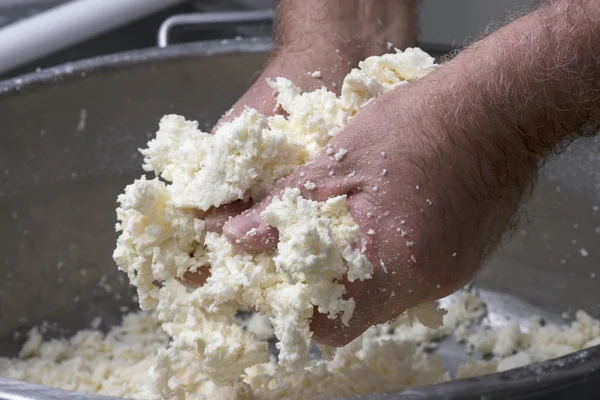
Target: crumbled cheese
(386, 358)
(163, 233)
(260, 326)
(308, 185)
(383, 267)
(315, 74)
(340, 154)
(515, 361)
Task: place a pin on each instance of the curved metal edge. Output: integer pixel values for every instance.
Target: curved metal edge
(232, 17)
(82, 68)
(16, 390)
(551, 378)
(557, 376)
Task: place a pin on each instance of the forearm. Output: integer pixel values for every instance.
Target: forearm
(537, 80)
(359, 28)
(500, 108)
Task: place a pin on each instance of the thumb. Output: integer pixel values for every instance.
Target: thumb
(333, 332)
(249, 232)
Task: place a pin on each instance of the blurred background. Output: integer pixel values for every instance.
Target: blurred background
(100, 27)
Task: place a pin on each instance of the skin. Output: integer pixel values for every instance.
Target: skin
(462, 146)
(326, 39)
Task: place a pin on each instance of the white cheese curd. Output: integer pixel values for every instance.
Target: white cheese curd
(132, 359)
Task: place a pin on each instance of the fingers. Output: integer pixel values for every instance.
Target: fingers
(249, 232)
(392, 288)
(195, 279)
(332, 332)
(366, 294)
(216, 218)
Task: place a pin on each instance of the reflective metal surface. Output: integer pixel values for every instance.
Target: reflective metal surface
(68, 146)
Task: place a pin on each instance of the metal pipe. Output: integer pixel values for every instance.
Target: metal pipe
(233, 17)
(68, 24)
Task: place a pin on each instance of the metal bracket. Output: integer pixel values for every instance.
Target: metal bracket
(212, 18)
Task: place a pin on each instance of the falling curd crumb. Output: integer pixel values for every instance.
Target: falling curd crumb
(583, 252)
(316, 74)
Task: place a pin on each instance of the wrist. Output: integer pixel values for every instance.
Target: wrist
(535, 81)
(356, 29)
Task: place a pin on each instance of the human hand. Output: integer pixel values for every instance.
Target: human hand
(299, 67)
(429, 210)
(315, 51)
(462, 147)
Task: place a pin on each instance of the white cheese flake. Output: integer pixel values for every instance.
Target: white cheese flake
(308, 185)
(340, 154)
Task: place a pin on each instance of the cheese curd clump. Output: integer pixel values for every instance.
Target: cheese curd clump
(163, 234)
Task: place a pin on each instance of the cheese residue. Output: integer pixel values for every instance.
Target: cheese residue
(387, 358)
